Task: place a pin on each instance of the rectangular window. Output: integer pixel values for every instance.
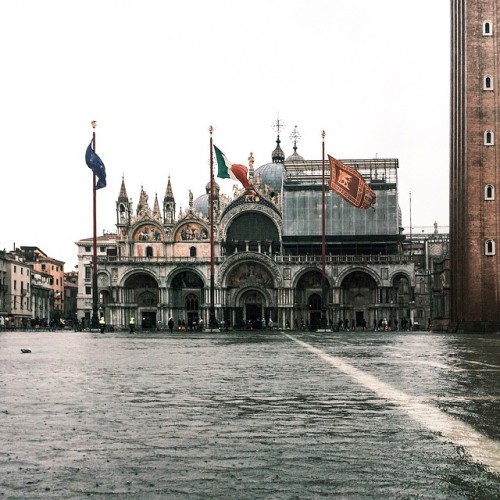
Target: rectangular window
(88, 290)
(87, 249)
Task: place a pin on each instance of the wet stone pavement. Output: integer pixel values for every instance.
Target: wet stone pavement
(249, 415)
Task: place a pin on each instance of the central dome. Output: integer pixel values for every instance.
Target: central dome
(272, 175)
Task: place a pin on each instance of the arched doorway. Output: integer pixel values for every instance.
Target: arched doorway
(314, 305)
(358, 299)
(186, 293)
(249, 286)
(402, 295)
(251, 310)
(141, 290)
(192, 307)
(308, 296)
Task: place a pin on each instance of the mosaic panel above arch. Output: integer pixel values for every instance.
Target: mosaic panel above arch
(309, 279)
(249, 274)
(233, 261)
(358, 279)
(147, 233)
(192, 231)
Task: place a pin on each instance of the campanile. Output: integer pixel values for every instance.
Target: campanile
(475, 166)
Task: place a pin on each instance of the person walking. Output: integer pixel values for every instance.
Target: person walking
(102, 323)
(171, 324)
(131, 324)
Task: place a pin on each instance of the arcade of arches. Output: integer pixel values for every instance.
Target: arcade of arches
(251, 297)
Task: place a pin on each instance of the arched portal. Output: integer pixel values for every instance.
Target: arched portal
(252, 310)
(358, 299)
(309, 300)
(186, 295)
(249, 300)
(402, 296)
(141, 292)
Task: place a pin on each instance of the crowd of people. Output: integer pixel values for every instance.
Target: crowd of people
(195, 324)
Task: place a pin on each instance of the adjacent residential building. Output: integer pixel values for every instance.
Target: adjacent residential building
(44, 265)
(31, 288)
(18, 291)
(4, 264)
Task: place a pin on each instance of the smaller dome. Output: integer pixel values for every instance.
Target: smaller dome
(201, 203)
(295, 157)
(216, 188)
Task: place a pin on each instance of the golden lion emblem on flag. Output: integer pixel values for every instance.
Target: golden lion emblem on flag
(350, 185)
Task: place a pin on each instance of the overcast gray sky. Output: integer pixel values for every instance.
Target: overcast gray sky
(155, 74)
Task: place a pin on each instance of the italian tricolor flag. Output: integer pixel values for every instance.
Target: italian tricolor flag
(229, 170)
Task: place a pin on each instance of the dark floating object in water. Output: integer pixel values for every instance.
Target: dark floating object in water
(25, 350)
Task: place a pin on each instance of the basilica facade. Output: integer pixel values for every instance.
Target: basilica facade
(268, 255)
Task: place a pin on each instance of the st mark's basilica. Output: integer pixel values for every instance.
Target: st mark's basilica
(267, 254)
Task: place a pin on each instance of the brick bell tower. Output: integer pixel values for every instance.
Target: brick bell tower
(475, 166)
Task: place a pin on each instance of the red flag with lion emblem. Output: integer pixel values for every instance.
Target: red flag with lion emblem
(349, 184)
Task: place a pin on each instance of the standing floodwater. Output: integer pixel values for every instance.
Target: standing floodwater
(249, 415)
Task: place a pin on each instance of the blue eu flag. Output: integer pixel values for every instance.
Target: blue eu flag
(96, 165)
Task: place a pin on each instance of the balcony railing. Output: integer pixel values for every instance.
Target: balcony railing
(280, 259)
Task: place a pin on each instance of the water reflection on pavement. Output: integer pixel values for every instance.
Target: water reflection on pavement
(249, 415)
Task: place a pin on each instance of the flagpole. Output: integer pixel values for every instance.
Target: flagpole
(323, 237)
(95, 302)
(211, 320)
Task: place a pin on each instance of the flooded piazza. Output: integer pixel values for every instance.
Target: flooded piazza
(249, 415)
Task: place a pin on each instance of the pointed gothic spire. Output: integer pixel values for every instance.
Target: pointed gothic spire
(123, 205)
(123, 191)
(169, 194)
(156, 207)
(169, 204)
(142, 206)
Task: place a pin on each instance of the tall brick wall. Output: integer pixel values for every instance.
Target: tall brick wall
(475, 277)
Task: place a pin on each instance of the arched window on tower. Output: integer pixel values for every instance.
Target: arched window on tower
(489, 192)
(489, 247)
(123, 213)
(192, 251)
(487, 28)
(489, 138)
(488, 82)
